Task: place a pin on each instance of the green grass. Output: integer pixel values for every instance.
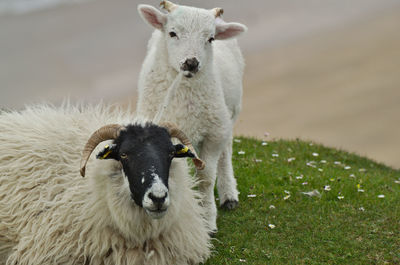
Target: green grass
(357, 229)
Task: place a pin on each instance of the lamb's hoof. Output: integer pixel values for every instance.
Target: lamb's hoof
(213, 233)
(230, 205)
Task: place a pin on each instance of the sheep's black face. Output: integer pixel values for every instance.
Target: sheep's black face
(146, 154)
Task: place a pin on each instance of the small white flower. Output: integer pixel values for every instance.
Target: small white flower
(310, 144)
(291, 159)
(299, 177)
(311, 164)
(362, 170)
(337, 162)
(352, 176)
(304, 183)
(315, 154)
(286, 191)
(272, 206)
(312, 193)
(361, 209)
(271, 226)
(275, 155)
(347, 167)
(237, 140)
(323, 161)
(397, 181)
(360, 190)
(258, 160)
(241, 152)
(251, 196)
(264, 143)
(327, 187)
(381, 196)
(320, 169)
(242, 260)
(286, 197)
(340, 197)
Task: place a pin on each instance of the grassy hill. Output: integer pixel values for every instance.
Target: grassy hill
(352, 217)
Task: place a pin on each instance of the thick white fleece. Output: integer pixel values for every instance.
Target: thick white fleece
(51, 215)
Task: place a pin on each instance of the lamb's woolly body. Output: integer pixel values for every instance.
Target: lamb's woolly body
(205, 106)
(50, 215)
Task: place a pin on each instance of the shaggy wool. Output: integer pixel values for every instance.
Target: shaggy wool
(49, 214)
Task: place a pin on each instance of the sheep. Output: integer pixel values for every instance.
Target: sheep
(134, 206)
(199, 45)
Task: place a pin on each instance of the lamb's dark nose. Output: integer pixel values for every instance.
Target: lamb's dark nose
(191, 65)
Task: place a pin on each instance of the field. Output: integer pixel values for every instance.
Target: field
(350, 217)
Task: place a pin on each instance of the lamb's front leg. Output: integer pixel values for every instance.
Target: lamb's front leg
(210, 152)
(226, 182)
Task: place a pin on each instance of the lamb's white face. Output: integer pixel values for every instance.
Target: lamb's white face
(189, 33)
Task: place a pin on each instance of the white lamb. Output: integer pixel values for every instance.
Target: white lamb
(135, 206)
(198, 44)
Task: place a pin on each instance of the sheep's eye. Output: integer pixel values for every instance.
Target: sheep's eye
(124, 156)
(211, 39)
(172, 34)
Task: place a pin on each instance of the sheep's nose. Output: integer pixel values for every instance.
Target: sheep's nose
(191, 65)
(158, 201)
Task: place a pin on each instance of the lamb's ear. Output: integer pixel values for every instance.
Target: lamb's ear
(152, 16)
(225, 30)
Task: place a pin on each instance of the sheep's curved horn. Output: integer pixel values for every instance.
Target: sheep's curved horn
(169, 6)
(106, 132)
(177, 133)
(217, 11)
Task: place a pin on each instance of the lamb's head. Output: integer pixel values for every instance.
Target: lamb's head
(145, 153)
(189, 33)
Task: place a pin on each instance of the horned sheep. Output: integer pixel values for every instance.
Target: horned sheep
(199, 45)
(135, 206)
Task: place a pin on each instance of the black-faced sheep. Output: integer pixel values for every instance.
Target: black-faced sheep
(136, 204)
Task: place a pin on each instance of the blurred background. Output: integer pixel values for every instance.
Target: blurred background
(327, 71)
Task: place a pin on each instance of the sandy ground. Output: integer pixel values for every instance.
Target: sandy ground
(340, 88)
(327, 71)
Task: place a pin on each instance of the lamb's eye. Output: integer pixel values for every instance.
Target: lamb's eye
(124, 156)
(172, 34)
(211, 39)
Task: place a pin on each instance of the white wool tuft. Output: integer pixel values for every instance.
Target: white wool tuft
(51, 215)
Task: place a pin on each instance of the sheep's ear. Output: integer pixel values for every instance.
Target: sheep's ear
(152, 16)
(225, 30)
(108, 152)
(182, 151)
